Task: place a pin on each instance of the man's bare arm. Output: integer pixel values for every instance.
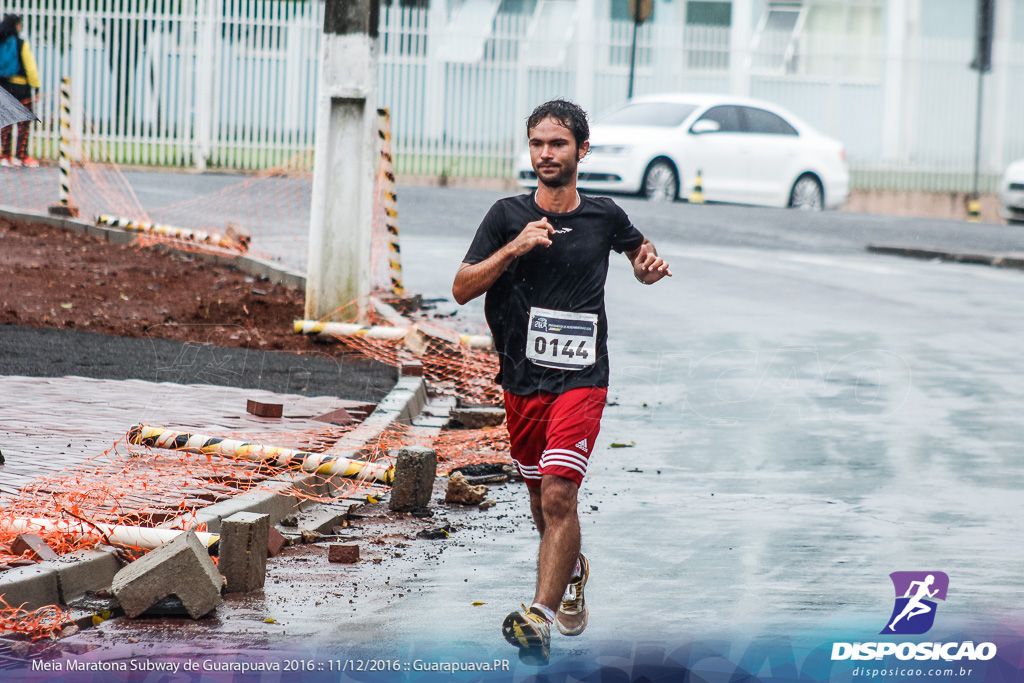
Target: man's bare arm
(473, 279)
(648, 267)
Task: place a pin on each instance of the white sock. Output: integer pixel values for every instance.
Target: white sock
(548, 613)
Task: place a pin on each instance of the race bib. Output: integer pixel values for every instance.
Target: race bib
(558, 339)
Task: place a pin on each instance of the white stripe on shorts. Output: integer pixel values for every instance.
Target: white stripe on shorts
(562, 461)
(562, 453)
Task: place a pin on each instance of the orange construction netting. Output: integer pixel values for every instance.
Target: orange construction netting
(135, 486)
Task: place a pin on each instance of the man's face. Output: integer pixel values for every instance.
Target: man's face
(554, 154)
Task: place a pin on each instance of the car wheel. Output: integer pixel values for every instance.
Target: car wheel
(661, 182)
(807, 194)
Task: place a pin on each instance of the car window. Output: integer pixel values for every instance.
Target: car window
(662, 114)
(727, 118)
(761, 121)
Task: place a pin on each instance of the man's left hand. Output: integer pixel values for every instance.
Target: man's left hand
(648, 267)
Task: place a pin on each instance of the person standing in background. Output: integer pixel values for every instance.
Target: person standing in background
(18, 76)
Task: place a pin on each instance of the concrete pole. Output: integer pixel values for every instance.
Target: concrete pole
(895, 94)
(1001, 82)
(740, 37)
(341, 216)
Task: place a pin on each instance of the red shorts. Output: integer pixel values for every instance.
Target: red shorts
(554, 433)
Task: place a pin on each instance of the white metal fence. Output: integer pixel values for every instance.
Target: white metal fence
(232, 84)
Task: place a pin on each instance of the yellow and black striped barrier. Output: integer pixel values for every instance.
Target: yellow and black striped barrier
(697, 196)
(65, 208)
(390, 200)
(974, 210)
(386, 332)
(236, 241)
(318, 463)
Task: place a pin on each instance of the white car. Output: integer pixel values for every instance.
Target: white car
(1011, 193)
(746, 151)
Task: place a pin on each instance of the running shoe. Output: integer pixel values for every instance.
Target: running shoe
(7, 162)
(29, 162)
(572, 614)
(529, 631)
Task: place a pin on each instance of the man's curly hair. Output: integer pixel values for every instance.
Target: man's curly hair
(567, 113)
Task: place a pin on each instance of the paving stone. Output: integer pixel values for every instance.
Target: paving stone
(34, 547)
(345, 554)
(180, 567)
(415, 470)
(244, 543)
(275, 542)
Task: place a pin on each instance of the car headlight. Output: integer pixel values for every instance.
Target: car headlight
(610, 149)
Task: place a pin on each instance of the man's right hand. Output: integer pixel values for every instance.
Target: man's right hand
(535, 233)
(473, 279)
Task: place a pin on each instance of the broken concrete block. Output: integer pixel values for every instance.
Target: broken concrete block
(478, 418)
(340, 417)
(460, 491)
(244, 541)
(415, 470)
(179, 567)
(34, 547)
(275, 542)
(346, 554)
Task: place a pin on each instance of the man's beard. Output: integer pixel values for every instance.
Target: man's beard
(563, 178)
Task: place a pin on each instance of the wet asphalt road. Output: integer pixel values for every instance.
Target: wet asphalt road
(807, 419)
(806, 422)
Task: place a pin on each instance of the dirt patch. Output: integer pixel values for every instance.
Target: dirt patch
(50, 277)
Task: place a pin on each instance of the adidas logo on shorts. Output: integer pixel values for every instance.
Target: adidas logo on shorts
(582, 445)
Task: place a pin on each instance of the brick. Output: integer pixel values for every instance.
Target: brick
(244, 540)
(180, 567)
(478, 418)
(345, 554)
(34, 547)
(415, 470)
(275, 542)
(412, 368)
(264, 409)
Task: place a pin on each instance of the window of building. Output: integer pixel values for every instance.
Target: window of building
(828, 38)
(706, 35)
(703, 13)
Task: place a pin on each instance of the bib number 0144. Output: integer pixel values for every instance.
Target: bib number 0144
(544, 346)
(561, 339)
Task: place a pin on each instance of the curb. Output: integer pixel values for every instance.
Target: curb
(58, 581)
(245, 264)
(984, 258)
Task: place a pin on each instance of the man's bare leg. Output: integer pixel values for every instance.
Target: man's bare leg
(555, 514)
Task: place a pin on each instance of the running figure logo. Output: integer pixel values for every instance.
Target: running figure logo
(916, 592)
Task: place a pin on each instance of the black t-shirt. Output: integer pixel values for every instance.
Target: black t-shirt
(567, 276)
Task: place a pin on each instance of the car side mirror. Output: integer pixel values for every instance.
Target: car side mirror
(705, 126)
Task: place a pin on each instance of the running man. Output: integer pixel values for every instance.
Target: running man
(914, 606)
(542, 260)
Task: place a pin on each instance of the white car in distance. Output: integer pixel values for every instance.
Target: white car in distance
(747, 152)
(1011, 193)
